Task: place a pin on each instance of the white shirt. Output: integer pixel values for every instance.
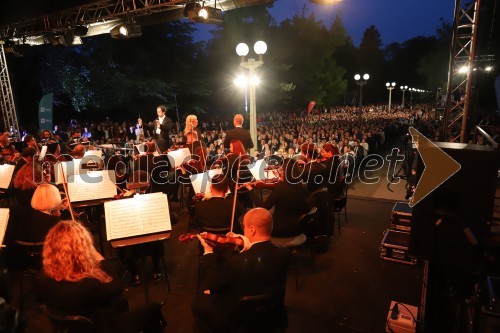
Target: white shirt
(160, 120)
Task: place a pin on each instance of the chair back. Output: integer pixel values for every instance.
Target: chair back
(69, 324)
(264, 311)
(29, 254)
(320, 199)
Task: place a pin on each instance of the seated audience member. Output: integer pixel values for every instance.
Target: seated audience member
(215, 210)
(261, 268)
(288, 197)
(75, 280)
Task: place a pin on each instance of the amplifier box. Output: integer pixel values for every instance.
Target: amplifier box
(404, 320)
(493, 288)
(401, 216)
(394, 247)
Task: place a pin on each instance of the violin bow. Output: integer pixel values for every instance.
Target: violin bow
(65, 187)
(235, 193)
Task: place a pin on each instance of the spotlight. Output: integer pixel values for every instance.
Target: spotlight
(463, 69)
(126, 31)
(200, 14)
(488, 69)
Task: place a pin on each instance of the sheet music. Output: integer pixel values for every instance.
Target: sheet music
(70, 168)
(97, 153)
(201, 181)
(4, 219)
(259, 172)
(6, 172)
(179, 156)
(92, 186)
(43, 152)
(141, 215)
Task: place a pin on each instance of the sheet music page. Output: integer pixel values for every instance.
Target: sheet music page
(70, 168)
(179, 156)
(4, 219)
(97, 153)
(141, 215)
(43, 152)
(6, 171)
(92, 186)
(259, 172)
(201, 181)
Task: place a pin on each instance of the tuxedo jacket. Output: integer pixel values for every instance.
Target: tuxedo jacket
(240, 134)
(260, 269)
(289, 202)
(163, 139)
(217, 212)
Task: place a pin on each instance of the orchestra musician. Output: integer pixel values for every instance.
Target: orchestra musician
(214, 212)
(158, 168)
(238, 133)
(192, 126)
(161, 128)
(76, 280)
(288, 197)
(334, 177)
(261, 268)
(314, 172)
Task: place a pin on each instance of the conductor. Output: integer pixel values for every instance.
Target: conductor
(161, 128)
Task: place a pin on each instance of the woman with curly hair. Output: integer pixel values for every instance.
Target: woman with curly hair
(76, 281)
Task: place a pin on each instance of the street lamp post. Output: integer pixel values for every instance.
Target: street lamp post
(361, 82)
(390, 86)
(411, 96)
(403, 89)
(251, 64)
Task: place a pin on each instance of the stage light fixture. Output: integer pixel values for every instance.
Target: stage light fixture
(201, 14)
(129, 30)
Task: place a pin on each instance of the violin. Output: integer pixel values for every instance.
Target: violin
(235, 243)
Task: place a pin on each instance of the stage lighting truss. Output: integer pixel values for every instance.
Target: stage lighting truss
(126, 30)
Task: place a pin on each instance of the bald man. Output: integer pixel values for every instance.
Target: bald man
(259, 269)
(238, 133)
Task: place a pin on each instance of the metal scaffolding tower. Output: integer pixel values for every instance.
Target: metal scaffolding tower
(6, 98)
(462, 59)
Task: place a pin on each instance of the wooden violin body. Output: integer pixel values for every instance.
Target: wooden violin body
(219, 241)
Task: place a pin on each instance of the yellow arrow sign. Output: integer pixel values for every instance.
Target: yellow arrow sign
(439, 166)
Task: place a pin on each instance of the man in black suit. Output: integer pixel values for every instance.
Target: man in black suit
(215, 211)
(261, 268)
(238, 133)
(161, 128)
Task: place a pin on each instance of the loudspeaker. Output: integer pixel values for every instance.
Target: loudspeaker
(449, 225)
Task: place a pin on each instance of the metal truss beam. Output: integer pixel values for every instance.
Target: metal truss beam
(463, 48)
(103, 11)
(6, 98)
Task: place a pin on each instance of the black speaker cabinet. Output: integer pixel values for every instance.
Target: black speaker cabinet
(462, 205)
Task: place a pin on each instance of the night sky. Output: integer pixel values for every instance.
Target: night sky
(397, 20)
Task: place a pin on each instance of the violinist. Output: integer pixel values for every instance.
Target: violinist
(158, 168)
(236, 160)
(214, 212)
(47, 205)
(26, 157)
(260, 269)
(334, 177)
(288, 197)
(192, 126)
(314, 172)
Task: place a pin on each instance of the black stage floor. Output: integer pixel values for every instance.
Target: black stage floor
(350, 289)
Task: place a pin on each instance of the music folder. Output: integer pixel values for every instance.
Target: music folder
(141, 219)
(260, 171)
(201, 181)
(4, 219)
